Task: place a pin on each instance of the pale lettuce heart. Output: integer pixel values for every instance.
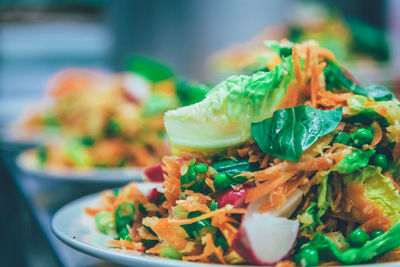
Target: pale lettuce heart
(224, 117)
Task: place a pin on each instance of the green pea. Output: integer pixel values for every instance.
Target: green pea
(124, 215)
(358, 238)
(307, 257)
(342, 138)
(201, 168)
(105, 222)
(362, 136)
(214, 206)
(222, 181)
(381, 161)
(376, 233)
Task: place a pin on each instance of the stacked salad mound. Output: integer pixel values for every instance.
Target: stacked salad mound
(297, 163)
(109, 119)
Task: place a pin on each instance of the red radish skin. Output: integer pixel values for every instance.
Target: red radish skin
(265, 239)
(232, 197)
(154, 174)
(153, 195)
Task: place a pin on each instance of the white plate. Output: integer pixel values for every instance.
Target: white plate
(10, 140)
(115, 176)
(77, 229)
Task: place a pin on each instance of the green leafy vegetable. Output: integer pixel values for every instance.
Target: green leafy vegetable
(191, 93)
(235, 167)
(42, 155)
(224, 117)
(372, 248)
(156, 104)
(77, 152)
(336, 79)
(289, 132)
(355, 160)
(379, 190)
(151, 69)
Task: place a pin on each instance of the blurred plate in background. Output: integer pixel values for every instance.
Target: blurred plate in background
(115, 176)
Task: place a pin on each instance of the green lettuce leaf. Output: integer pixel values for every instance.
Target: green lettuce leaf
(289, 132)
(224, 117)
(379, 189)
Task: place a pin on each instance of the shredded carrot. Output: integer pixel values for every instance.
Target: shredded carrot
(377, 135)
(325, 53)
(377, 223)
(209, 249)
(314, 82)
(127, 244)
(92, 211)
(156, 249)
(296, 64)
(195, 202)
(266, 187)
(172, 182)
(277, 198)
(243, 152)
(172, 234)
(396, 151)
(382, 110)
(222, 222)
(254, 158)
(286, 263)
(264, 162)
(225, 209)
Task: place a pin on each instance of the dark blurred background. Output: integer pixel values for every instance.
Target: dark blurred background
(40, 37)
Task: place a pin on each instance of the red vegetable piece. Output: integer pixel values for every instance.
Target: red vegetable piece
(232, 197)
(154, 173)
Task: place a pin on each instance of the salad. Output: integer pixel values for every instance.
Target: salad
(107, 119)
(294, 164)
(352, 40)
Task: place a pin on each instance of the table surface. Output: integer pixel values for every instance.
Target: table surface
(44, 198)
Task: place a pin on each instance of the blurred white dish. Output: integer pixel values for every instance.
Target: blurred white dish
(116, 176)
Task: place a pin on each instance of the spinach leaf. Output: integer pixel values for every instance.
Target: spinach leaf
(289, 132)
(355, 160)
(235, 167)
(151, 69)
(377, 92)
(336, 79)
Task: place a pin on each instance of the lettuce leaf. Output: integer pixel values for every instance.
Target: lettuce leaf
(224, 117)
(379, 189)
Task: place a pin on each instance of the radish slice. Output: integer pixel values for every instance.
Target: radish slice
(292, 202)
(154, 173)
(232, 197)
(265, 239)
(136, 87)
(153, 195)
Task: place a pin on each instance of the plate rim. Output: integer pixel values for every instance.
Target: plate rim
(85, 176)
